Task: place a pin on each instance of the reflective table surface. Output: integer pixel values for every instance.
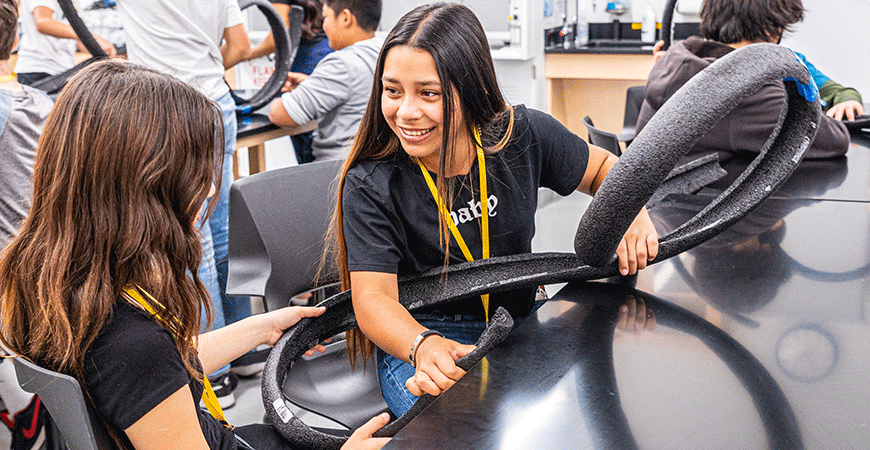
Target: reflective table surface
(759, 338)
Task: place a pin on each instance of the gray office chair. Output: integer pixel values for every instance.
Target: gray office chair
(79, 425)
(601, 138)
(277, 223)
(633, 102)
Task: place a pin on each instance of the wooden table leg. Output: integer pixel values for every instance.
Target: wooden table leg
(236, 165)
(257, 158)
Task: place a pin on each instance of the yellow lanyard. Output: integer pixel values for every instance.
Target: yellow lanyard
(208, 396)
(484, 206)
(6, 78)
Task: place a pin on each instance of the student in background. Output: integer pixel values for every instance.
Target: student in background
(48, 42)
(725, 26)
(313, 47)
(196, 41)
(23, 111)
(337, 91)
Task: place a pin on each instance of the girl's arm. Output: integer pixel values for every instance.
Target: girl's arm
(172, 424)
(219, 347)
(390, 326)
(45, 24)
(640, 244)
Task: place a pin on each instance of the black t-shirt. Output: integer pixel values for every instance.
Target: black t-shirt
(133, 365)
(391, 220)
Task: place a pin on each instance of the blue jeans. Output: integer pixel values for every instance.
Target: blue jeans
(393, 372)
(213, 268)
(234, 308)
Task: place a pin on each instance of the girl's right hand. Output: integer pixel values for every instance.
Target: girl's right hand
(362, 439)
(436, 365)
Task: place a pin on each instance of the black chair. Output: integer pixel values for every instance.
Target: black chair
(277, 224)
(633, 102)
(79, 426)
(601, 138)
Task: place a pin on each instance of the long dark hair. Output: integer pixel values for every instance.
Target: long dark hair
(123, 166)
(454, 38)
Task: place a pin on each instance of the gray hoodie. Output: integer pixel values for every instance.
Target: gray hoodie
(744, 130)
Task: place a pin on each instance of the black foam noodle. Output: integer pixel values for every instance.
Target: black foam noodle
(496, 331)
(304, 335)
(87, 39)
(630, 184)
(695, 108)
(285, 50)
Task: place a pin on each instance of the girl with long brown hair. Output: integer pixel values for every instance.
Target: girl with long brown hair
(444, 171)
(100, 282)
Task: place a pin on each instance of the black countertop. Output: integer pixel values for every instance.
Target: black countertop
(762, 340)
(605, 47)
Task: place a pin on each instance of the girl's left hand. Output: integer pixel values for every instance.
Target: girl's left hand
(639, 245)
(279, 320)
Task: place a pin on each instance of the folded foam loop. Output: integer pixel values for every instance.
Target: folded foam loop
(639, 172)
(695, 108)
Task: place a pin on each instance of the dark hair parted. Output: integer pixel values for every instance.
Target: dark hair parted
(123, 166)
(367, 12)
(8, 27)
(455, 39)
(733, 21)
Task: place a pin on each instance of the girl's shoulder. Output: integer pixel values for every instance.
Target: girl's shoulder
(378, 173)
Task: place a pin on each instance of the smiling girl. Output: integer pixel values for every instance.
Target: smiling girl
(443, 171)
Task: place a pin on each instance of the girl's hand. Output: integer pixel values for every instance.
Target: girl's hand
(436, 365)
(279, 320)
(362, 439)
(639, 245)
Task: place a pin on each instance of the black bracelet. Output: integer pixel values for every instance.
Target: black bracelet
(417, 342)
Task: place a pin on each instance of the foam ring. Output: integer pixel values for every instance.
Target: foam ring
(284, 54)
(695, 108)
(690, 112)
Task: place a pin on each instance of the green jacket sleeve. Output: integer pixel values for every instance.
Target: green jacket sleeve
(834, 93)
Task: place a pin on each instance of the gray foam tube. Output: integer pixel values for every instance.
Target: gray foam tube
(695, 108)
(292, 345)
(285, 51)
(627, 188)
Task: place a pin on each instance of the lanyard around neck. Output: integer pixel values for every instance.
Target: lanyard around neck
(208, 396)
(484, 207)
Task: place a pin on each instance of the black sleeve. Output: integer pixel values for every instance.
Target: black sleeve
(564, 155)
(131, 367)
(284, 2)
(370, 229)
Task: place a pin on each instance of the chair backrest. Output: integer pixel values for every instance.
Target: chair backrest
(601, 138)
(62, 396)
(633, 102)
(277, 224)
(325, 384)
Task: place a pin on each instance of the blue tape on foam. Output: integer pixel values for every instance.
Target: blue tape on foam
(807, 91)
(243, 109)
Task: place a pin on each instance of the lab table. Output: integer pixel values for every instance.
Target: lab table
(254, 130)
(761, 340)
